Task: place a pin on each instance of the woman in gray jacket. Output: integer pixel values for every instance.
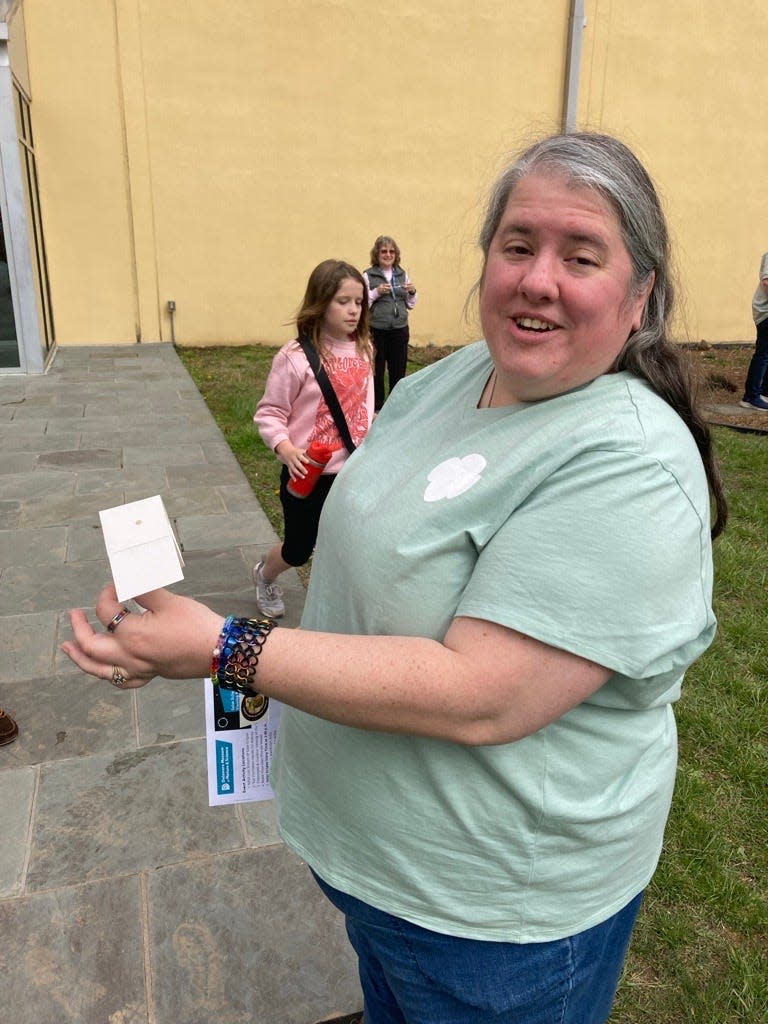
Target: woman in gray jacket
(391, 294)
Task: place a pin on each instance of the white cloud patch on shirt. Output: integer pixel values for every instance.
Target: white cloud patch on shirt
(451, 478)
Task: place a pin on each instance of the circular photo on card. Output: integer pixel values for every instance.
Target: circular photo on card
(254, 707)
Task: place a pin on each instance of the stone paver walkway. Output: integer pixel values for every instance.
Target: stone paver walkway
(124, 898)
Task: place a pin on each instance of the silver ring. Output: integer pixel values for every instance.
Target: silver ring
(115, 621)
(119, 678)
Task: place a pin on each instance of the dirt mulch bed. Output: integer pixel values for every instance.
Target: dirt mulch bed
(721, 369)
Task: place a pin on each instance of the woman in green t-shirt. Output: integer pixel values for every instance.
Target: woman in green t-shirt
(478, 748)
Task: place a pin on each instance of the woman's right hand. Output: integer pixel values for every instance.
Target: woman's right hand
(294, 458)
(174, 638)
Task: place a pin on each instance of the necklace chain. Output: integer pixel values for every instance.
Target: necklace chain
(492, 382)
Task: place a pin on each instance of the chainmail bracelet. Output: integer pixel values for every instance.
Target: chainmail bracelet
(236, 654)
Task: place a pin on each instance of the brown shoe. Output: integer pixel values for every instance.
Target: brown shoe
(8, 729)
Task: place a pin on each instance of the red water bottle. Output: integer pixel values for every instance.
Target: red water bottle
(319, 456)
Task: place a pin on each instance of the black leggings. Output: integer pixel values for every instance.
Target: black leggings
(392, 353)
(302, 518)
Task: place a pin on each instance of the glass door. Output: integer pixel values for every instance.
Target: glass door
(9, 345)
(34, 220)
(27, 338)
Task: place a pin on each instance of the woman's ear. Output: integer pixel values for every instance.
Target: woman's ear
(640, 301)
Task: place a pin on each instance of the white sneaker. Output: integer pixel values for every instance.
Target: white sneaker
(269, 597)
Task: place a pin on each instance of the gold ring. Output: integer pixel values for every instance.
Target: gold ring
(119, 678)
(117, 619)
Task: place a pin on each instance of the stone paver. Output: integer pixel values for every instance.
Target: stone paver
(75, 955)
(16, 791)
(27, 643)
(113, 814)
(216, 959)
(33, 547)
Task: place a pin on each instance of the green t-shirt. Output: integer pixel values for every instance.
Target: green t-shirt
(581, 520)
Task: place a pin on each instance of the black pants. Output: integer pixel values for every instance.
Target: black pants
(392, 354)
(302, 517)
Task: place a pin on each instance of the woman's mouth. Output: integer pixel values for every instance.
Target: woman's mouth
(532, 323)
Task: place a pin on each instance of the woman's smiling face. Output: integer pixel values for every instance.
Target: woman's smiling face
(387, 256)
(555, 300)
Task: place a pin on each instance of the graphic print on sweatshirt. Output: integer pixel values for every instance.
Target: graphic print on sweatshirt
(349, 377)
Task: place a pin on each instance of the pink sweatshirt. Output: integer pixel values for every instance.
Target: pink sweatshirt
(293, 406)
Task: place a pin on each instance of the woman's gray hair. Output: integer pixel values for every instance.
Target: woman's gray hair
(606, 166)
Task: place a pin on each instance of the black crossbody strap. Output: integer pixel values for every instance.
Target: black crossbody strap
(329, 394)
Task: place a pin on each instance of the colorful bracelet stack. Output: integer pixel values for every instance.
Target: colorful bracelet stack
(236, 655)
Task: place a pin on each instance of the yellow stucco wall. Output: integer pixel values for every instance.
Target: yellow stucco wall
(213, 154)
(250, 141)
(680, 83)
(77, 123)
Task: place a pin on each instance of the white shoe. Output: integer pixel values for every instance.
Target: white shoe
(269, 597)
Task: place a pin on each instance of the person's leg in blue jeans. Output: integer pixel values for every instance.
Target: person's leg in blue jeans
(410, 975)
(757, 374)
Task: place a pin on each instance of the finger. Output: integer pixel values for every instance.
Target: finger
(155, 600)
(81, 627)
(83, 661)
(100, 669)
(100, 648)
(107, 605)
(97, 653)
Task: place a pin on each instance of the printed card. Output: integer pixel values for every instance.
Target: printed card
(240, 738)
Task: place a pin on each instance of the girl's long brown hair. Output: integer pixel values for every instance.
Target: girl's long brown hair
(323, 284)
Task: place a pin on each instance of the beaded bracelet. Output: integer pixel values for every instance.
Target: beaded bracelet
(236, 654)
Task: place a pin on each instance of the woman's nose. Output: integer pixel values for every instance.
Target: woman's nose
(539, 281)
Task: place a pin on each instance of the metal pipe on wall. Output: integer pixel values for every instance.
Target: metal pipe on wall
(171, 313)
(576, 25)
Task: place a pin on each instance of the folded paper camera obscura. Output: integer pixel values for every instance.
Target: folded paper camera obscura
(141, 546)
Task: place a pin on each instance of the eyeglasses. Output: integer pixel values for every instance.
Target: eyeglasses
(393, 252)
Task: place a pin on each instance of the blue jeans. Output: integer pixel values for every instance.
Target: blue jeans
(758, 368)
(410, 975)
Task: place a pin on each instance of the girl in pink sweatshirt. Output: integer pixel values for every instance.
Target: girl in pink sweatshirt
(293, 413)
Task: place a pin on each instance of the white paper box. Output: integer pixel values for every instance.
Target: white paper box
(141, 546)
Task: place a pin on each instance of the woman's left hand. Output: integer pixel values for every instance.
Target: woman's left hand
(173, 638)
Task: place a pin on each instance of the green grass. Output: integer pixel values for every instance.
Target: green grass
(700, 949)
(231, 380)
